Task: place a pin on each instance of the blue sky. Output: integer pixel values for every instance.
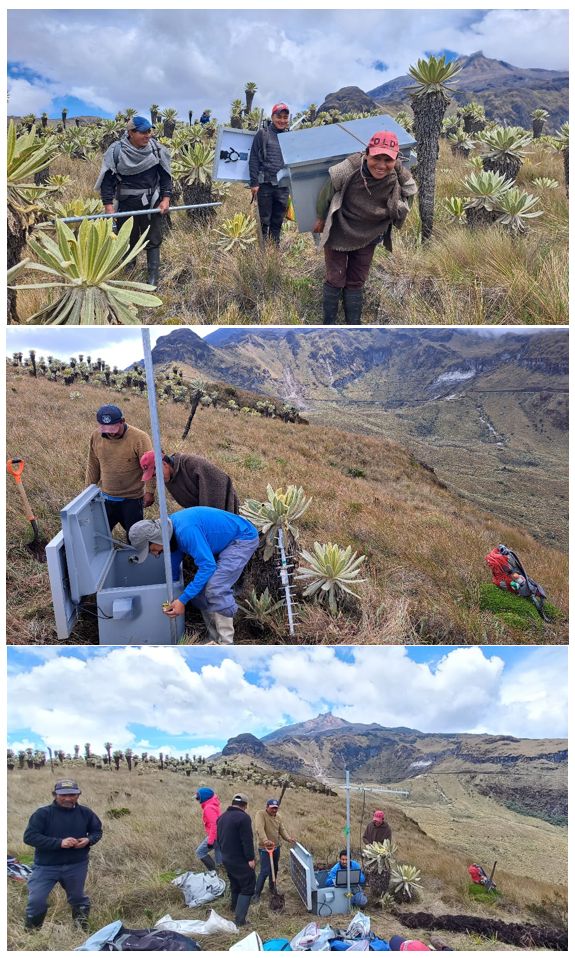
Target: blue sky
(177, 699)
(193, 59)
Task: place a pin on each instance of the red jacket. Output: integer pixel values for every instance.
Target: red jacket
(476, 873)
(211, 811)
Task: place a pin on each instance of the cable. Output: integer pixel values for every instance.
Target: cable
(320, 914)
(83, 608)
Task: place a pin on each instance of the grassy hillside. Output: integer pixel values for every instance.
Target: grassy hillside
(141, 851)
(424, 545)
(461, 276)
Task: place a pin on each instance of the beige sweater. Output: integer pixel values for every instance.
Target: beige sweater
(114, 464)
(269, 828)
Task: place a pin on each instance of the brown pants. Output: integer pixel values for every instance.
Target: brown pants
(348, 269)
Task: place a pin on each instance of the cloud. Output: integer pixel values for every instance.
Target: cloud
(193, 59)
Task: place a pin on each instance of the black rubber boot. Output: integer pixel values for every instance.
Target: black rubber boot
(80, 915)
(32, 922)
(242, 909)
(209, 863)
(352, 304)
(331, 295)
(153, 257)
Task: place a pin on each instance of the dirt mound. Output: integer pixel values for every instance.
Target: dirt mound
(522, 936)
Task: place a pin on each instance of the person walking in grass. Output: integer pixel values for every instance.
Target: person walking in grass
(265, 162)
(136, 170)
(236, 840)
(378, 830)
(269, 831)
(211, 811)
(193, 481)
(114, 465)
(221, 545)
(61, 834)
(365, 196)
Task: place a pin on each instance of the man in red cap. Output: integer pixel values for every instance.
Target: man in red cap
(378, 829)
(265, 162)
(365, 196)
(193, 481)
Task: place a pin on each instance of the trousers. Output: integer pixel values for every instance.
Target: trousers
(272, 204)
(217, 594)
(141, 223)
(265, 868)
(43, 878)
(126, 512)
(348, 269)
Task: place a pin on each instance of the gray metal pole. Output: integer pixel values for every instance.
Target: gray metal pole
(161, 490)
(348, 836)
(119, 216)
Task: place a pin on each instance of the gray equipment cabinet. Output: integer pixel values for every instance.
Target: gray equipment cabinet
(84, 560)
(318, 899)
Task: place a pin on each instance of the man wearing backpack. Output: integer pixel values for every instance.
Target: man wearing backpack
(136, 170)
(265, 162)
(62, 834)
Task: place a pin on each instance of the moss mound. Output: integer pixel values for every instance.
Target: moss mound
(516, 612)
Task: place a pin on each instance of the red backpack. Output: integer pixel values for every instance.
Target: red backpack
(500, 569)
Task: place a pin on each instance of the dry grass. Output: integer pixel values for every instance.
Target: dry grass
(128, 869)
(461, 276)
(424, 545)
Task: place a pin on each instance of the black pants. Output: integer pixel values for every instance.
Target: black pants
(242, 880)
(126, 512)
(141, 223)
(272, 204)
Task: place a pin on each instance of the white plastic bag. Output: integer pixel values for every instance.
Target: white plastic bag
(253, 942)
(186, 926)
(312, 938)
(358, 927)
(199, 887)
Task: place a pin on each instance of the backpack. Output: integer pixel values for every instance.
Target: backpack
(17, 870)
(504, 564)
(115, 937)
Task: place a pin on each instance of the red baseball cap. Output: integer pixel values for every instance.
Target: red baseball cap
(148, 464)
(384, 142)
(278, 107)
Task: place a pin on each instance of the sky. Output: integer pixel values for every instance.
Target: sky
(98, 62)
(178, 699)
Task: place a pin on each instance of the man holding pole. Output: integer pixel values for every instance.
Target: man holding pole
(136, 170)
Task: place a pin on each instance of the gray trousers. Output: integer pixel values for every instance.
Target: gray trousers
(43, 878)
(217, 594)
(202, 850)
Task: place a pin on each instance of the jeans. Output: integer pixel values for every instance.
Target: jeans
(126, 512)
(141, 223)
(217, 594)
(202, 850)
(44, 877)
(265, 868)
(272, 205)
(348, 269)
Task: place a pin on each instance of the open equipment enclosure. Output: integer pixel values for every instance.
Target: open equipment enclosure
(318, 899)
(83, 559)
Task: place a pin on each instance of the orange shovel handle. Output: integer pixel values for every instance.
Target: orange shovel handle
(15, 467)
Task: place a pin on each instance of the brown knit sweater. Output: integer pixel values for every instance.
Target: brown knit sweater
(197, 482)
(269, 828)
(114, 464)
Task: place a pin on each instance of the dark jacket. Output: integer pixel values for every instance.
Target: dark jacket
(197, 482)
(51, 823)
(376, 833)
(235, 836)
(265, 156)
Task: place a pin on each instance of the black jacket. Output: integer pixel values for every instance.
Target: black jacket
(235, 836)
(265, 156)
(51, 823)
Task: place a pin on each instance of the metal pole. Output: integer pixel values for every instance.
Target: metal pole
(155, 423)
(119, 216)
(348, 837)
(284, 576)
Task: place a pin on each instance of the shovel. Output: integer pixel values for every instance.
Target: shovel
(277, 900)
(36, 546)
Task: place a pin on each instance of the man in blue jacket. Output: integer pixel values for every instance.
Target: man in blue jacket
(62, 834)
(341, 865)
(220, 543)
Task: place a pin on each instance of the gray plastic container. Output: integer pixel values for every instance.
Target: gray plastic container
(83, 560)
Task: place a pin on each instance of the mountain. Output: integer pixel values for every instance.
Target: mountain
(350, 99)
(528, 775)
(508, 93)
(488, 412)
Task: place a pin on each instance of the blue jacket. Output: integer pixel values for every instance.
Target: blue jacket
(202, 533)
(330, 880)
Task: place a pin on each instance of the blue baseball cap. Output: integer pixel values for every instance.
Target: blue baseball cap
(272, 803)
(140, 124)
(109, 415)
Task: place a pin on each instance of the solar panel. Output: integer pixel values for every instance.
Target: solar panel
(301, 870)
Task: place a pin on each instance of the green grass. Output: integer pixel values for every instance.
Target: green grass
(481, 894)
(516, 612)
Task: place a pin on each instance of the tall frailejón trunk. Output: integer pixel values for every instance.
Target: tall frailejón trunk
(428, 111)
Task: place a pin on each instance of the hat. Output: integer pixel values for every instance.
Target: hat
(278, 107)
(144, 532)
(272, 803)
(67, 787)
(383, 142)
(397, 943)
(109, 415)
(379, 815)
(148, 464)
(203, 794)
(240, 799)
(140, 124)
(359, 900)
